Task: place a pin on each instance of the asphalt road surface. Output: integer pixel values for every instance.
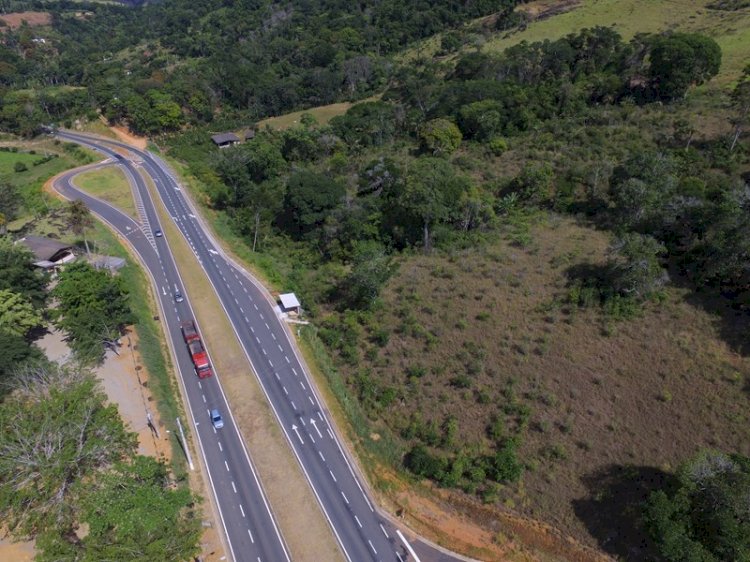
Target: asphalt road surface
(363, 532)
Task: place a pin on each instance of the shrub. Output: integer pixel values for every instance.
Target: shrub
(19, 167)
(504, 465)
(497, 145)
(422, 463)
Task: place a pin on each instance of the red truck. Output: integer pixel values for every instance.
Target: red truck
(197, 351)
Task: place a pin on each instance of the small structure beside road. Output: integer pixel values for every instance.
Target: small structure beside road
(290, 304)
(223, 140)
(110, 263)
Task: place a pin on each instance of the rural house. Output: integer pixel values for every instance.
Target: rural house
(48, 253)
(223, 140)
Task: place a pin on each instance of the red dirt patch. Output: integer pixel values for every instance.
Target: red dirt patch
(33, 19)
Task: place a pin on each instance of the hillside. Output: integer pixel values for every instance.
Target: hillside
(730, 28)
(483, 341)
(552, 19)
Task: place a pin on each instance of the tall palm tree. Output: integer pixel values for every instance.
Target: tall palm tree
(79, 220)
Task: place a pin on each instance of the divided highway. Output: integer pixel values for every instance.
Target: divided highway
(250, 530)
(363, 533)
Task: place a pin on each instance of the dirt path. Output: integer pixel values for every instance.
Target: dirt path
(126, 136)
(126, 384)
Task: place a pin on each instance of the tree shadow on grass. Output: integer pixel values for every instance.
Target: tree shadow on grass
(612, 510)
(732, 313)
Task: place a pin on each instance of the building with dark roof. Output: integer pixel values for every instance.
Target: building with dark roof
(222, 140)
(48, 252)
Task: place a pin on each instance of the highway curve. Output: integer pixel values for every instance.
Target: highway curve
(362, 530)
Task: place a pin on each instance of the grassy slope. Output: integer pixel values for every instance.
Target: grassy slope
(30, 182)
(730, 29)
(322, 114)
(9, 159)
(643, 394)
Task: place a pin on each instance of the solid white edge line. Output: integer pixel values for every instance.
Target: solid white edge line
(408, 546)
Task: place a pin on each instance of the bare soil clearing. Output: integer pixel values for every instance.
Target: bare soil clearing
(125, 135)
(15, 20)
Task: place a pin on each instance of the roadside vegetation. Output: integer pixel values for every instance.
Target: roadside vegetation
(70, 478)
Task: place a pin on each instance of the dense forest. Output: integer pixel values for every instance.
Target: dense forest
(175, 62)
(443, 154)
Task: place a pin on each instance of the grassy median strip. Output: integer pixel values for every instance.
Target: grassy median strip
(110, 185)
(302, 523)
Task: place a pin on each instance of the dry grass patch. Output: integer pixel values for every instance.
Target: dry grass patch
(323, 114)
(471, 333)
(15, 20)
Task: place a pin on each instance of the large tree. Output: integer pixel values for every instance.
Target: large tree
(17, 315)
(370, 269)
(705, 515)
(132, 512)
(15, 352)
(18, 274)
(431, 194)
(310, 198)
(93, 308)
(55, 431)
(80, 220)
(681, 60)
(635, 265)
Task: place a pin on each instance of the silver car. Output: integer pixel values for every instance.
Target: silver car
(216, 419)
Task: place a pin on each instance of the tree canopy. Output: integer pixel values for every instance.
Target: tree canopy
(93, 308)
(55, 431)
(704, 516)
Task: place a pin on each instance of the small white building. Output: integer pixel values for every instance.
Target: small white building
(290, 304)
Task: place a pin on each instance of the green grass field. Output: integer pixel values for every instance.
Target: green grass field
(731, 30)
(9, 159)
(29, 183)
(110, 185)
(322, 114)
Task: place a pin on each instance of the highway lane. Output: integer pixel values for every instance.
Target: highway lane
(250, 530)
(362, 531)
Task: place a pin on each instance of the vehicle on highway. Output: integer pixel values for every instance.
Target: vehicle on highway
(158, 233)
(197, 352)
(178, 296)
(216, 419)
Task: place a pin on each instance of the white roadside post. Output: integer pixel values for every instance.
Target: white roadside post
(185, 445)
